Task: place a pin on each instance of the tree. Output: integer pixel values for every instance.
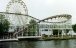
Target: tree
(4, 24)
(74, 27)
(32, 27)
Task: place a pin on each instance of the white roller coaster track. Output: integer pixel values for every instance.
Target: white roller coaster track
(62, 18)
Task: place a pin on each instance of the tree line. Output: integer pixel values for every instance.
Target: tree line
(74, 27)
(4, 25)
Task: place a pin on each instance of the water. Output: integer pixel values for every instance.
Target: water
(40, 44)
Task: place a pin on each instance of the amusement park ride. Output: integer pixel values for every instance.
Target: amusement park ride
(17, 7)
(17, 14)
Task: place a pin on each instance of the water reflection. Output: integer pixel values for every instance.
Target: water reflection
(40, 44)
(4, 45)
(26, 44)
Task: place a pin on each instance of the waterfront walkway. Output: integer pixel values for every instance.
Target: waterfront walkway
(38, 38)
(28, 37)
(21, 37)
(5, 40)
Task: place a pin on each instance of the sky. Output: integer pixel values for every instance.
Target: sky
(41, 9)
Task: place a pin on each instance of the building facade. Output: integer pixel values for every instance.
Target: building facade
(56, 25)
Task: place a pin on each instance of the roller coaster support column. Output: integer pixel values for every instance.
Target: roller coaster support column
(51, 32)
(62, 33)
(58, 32)
(23, 31)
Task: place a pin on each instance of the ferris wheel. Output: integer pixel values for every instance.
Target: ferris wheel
(17, 7)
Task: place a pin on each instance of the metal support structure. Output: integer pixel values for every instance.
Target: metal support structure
(58, 32)
(19, 7)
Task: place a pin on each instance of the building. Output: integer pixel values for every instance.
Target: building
(56, 25)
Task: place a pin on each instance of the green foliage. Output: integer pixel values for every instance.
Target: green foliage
(4, 24)
(74, 27)
(32, 27)
(67, 30)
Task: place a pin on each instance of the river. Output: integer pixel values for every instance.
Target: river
(40, 44)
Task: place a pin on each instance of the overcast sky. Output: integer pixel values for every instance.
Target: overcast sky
(44, 8)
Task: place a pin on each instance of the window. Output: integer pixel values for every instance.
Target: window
(46, 29)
